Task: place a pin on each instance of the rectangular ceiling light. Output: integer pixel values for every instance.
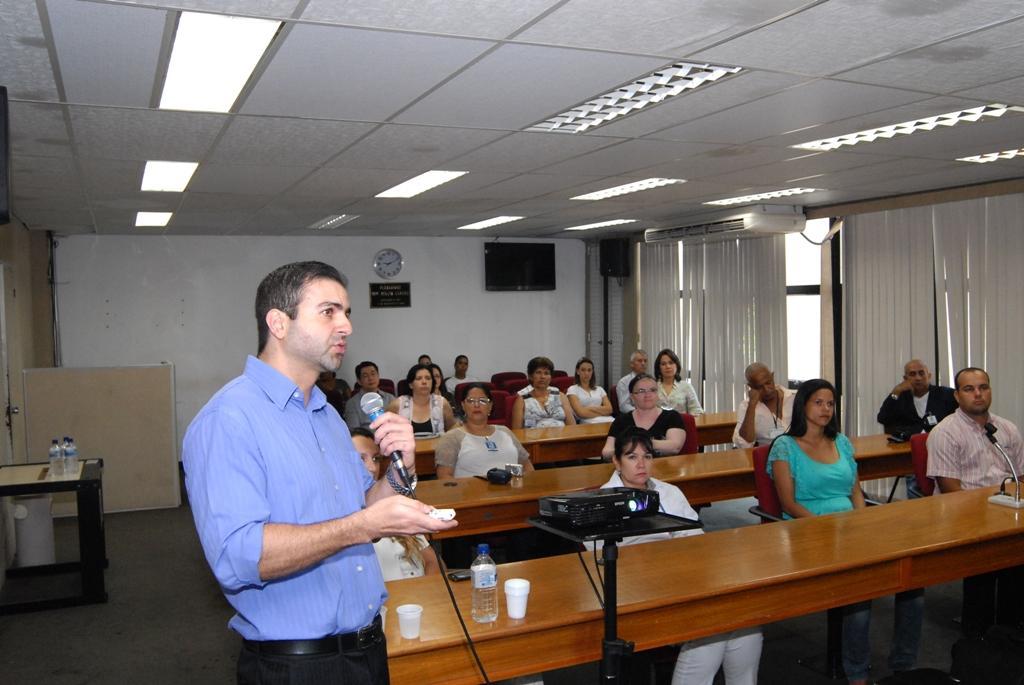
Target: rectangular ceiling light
(422, 183)
(651, 89)
(212, 58)
(168, 177)
(993, 156)
(908, 127)
(636, 187)
(747, 199)
(152, 218)
(332, 221)
(600, 224)
(487, 223)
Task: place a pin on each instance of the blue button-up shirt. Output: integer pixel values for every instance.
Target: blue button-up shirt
(256, 454)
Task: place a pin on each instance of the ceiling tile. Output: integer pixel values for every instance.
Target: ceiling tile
(520, 152)
(349, 184)
(27, 71)
(268, 179)
(57, 173)
(287, 141)
(112, 72)
(627, 156)
(527, 186)
(38, 129)
(480, 18)
(144, 134)
(1010, 92)
(272, 9)
(414, 148)
(330, 72)
(518, 85)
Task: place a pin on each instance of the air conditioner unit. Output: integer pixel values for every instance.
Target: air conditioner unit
(742, 222)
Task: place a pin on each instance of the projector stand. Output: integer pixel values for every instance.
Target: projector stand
(615, 652)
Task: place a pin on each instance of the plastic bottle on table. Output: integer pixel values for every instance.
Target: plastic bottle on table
(485, 586)
(56, 460)
(70, 458)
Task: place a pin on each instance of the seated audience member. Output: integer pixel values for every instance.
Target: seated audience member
(539, 405)
(673, 391)
(476, 446)
(425, 359)
(766, 412)
(460, 375)
(738, 653)
(637, 364)
(439, 388)
(665, 425)
(915, 406)
(429, 413)
(405, 556)
(588, 400)
(960, 457)
(815, 473)
(335, 389)
(368, 377)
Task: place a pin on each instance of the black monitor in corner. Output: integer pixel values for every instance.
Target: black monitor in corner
(5, 159)
(519, 266)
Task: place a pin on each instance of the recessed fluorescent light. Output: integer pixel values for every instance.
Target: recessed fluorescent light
(600, 224)
(152, 218)
(487, 223)
(212, 58)
(636, 187)
(170, 177)
(418, 184)
(651, 89)
(745, 199)
(908, 127)
(332, 221)
(992, 156)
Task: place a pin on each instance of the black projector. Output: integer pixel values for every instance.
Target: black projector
(595, 507)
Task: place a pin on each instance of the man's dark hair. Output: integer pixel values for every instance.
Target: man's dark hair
(956, 378)
(362, 432)
(461, 356)
(282, 289)
(362, 365)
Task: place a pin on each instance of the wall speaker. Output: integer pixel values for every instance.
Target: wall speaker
(615, 257)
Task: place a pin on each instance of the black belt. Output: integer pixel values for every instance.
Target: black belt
(356, 640)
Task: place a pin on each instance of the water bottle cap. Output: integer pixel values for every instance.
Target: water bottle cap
(483, 548)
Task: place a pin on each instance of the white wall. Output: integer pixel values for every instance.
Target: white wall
(189, 300)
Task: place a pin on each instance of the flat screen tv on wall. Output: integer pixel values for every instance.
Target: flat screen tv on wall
(519, 266)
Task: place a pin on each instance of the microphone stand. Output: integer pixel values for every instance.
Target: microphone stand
(1003, 499)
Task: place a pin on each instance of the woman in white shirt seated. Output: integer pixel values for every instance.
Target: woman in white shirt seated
(766, 412)
(429, 412)
(406, 556)
(673, 391)
(539, 405)
(588, 400)
(476, 446)
(738, 652)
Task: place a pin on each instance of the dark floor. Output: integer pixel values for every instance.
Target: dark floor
(166, 621)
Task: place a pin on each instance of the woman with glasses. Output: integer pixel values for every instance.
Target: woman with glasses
(766, 412)
(665, 425)
(673, 391)
(429, 413)
(588, 400)
(539, 405)
(476, 446)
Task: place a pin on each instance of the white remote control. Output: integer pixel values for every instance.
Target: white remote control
(442, 514)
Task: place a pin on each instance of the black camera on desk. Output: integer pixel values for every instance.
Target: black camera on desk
(503, 476)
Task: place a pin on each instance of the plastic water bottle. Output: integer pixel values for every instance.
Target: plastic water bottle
(485, 586)
(56, 460)
(70, 458)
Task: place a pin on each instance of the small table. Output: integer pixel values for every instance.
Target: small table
(30, 479)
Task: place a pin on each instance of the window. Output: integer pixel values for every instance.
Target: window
(803, 304)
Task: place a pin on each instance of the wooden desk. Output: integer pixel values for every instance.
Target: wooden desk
(482, 508)
(695, 586)
(716, 428)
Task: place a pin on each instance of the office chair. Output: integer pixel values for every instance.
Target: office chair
(919, 459)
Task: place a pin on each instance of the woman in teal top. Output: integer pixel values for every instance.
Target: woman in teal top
(815, 473)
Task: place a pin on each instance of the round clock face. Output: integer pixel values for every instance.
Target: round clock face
(387, 263)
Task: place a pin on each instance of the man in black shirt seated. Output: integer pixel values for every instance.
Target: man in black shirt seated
(915, 406)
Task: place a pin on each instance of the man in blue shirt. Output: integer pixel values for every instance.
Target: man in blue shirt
(284, 508)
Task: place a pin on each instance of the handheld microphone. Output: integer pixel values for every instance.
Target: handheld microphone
(1002, 498)
(373, 406)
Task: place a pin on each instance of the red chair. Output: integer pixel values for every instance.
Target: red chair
(691, 445)
(558, 373)
(498, 379)
(501, 411)
(613, 397)
(403, 387)
(768, 506)
(510, 400)
(514, 385)
(919, 458)
(460, 390)
(563, 383)
(387, 385)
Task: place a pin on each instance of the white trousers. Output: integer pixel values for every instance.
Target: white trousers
(738, 653)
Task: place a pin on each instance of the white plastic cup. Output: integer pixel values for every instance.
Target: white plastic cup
(383, 618)
(517, 592)
(409, 620)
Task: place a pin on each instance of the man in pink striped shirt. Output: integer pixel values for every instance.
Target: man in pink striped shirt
(961, 457)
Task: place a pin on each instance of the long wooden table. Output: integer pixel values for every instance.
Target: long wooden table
(483, 508)
(696, 586)
(548, 445)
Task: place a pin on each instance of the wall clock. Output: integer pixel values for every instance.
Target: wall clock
(387, 263)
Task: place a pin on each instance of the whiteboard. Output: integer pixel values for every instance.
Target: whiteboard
(123, 415)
